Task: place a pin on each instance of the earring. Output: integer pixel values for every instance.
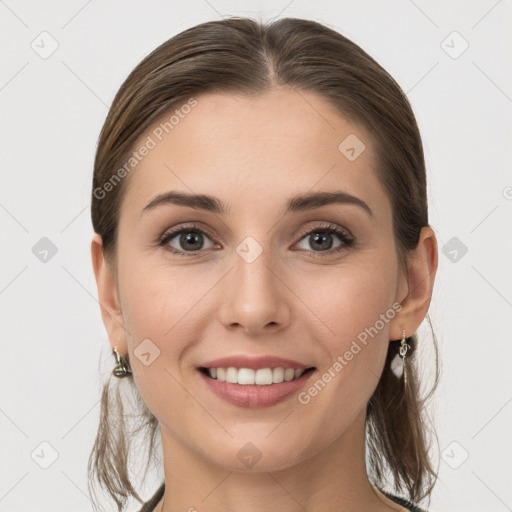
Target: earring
(398, 365)
(122, 369)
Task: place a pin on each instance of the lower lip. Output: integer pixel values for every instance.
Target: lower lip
(256, 397)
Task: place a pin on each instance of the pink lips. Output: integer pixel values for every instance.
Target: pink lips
(254, 362)
(254, 396)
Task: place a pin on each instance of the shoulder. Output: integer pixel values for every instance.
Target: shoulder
(150, 505)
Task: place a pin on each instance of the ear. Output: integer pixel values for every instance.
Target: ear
(415, 290)
(108, 296)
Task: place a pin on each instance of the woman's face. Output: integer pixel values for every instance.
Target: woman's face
(255, 280)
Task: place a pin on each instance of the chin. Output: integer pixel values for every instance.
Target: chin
(257, 456)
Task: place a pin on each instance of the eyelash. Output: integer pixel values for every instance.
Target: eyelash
(323, 228)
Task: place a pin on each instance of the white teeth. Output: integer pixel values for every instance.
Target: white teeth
(232, 375)
(278, 375)
(289, 374)
(246, 376)
(261, 377)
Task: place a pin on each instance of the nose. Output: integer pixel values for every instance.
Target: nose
(256, 299)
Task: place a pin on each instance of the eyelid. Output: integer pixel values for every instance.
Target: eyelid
(326, 226)
(169, 233)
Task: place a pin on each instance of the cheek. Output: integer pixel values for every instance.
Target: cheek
(158, 292)
(355, 306)
(163, 305)
(164, 316)
(352, 298)
(352, 303)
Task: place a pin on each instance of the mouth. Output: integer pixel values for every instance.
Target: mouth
(255, 377)
(254, 381)
(255, 388)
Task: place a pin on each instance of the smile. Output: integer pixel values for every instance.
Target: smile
(250, 388)
(258, 377)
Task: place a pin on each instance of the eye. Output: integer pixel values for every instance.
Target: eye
(320, 238)
(191, 239)
(188, 239)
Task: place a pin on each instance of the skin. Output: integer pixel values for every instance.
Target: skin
(254, 154)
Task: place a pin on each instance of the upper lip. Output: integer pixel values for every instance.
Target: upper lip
(243, 361)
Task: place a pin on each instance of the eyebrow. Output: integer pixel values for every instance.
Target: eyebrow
(295, 204)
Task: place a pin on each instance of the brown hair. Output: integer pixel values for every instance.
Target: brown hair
(243, 56)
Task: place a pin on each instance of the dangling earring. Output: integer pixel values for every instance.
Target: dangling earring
(398, 365)
(122, 369)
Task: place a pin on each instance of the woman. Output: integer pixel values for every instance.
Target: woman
(263, 259)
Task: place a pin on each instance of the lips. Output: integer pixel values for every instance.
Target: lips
(256, 396)
(255, 363)
(256, 382)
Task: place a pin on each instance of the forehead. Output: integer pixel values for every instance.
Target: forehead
(264, 148)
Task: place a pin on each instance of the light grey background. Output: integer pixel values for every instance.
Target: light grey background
(54, 351)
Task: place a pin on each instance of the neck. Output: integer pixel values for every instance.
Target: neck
(335, 476)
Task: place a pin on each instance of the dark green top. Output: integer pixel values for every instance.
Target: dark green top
(150, 505)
